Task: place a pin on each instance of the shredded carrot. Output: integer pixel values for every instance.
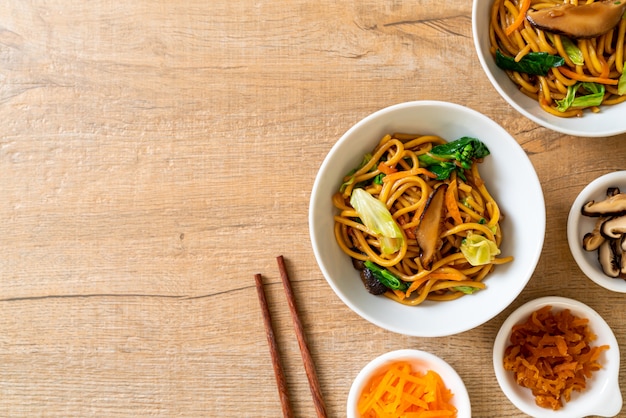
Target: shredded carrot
(582, 77)
(399, 293)
(384, 168)
(442, 273)
(451, 202)
(551, 354)
(427, 173)
(398, 392)
(519, 19)
(416, 285)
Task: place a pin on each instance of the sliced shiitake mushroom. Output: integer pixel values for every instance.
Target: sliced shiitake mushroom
(592, 240)
(614, 227)
(608, 259)
(428, 231)
(584, 21)
(612, 205)
(609, 233)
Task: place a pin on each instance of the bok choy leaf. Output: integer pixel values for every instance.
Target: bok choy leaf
(594, 98)
(535, 63)
(574, 53)
(445, 158)
(385, 276)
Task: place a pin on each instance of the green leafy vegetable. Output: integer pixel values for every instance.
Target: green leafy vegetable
(442, 169)
(535, 63)
(574, 53)
(445, 158)
(594, 98)
(566, 103)
(468, 290)
(386, 277)
(375, 216)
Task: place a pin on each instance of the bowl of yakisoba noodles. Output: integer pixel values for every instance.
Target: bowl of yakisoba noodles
(427, 218)
(558, 62)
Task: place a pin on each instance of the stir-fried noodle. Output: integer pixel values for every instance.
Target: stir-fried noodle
(588, 75)
(405, 189)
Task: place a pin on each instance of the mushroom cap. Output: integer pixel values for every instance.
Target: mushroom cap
(584, 21)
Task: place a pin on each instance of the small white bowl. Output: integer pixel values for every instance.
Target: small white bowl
(578, 225)
(506, 171)
(420, 360)
(609, 121)
(602, 396)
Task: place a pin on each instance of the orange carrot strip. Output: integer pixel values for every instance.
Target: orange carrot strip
(519, 19)
(416, 284)
(581, 77)
(400, 294)
(384, 168)
(400, 391)
(451, 202)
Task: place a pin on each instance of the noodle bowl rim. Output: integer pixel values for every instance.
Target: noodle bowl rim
(608, 122)
(447, 120)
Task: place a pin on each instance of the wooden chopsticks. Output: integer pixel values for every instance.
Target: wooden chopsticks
(309, 365)
(271, 340)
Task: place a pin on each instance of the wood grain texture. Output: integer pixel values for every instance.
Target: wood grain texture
(155, 155)
(279, 373)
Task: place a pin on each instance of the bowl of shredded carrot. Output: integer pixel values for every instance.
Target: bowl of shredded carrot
(408, 383)
(557, 357)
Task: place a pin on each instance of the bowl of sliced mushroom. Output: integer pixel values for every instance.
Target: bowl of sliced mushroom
(596, 231)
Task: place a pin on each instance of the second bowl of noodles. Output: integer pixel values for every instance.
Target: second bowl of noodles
(498, 223)
(578, 87)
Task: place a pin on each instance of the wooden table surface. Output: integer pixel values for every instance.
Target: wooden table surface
(156, 155)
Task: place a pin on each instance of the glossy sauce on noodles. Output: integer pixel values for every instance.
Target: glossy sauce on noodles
(589, 74)
(393, 175)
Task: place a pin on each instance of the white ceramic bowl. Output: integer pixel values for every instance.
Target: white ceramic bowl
(578, 225)
(507, 171)
(420, 360)
(609, 121)
(602, 396)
